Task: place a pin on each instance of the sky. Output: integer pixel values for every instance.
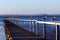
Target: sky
(29, 7)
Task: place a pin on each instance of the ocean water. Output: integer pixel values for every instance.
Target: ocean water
(2, 30)
(50, 29)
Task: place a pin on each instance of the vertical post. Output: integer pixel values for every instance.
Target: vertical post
(24, 23)
(34, 27)
(44, 31)
(44, 28)
(31, 23)
(39, 27)
(28, 25)
(57, 29)
(57, 32)
(19, 22)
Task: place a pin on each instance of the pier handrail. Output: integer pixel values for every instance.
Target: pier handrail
(43, 22)
(46, 22)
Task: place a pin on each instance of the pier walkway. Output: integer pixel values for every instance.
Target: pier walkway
(17, 29)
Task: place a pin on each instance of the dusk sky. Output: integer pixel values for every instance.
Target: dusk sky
(29, 7)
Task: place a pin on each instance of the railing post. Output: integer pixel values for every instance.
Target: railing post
(44, 31)
(57, 29)
(20, 23)
(28, 25)
(34, 26)
(31, 25)
(57, 32)
(44, 28)
(23, 24)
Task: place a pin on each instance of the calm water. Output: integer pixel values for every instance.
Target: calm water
(2, 30)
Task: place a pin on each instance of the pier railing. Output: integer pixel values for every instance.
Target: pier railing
(38, 27)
